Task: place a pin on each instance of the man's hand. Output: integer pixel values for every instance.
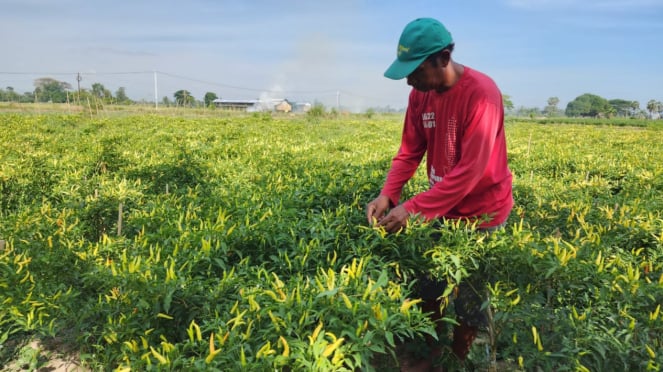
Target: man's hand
(392, 221)
(395, 220)
(377, 209)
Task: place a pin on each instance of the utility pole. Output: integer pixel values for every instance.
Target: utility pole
(338, 101)
(78, 80)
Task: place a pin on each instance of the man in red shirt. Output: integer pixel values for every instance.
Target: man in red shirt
(455, 116)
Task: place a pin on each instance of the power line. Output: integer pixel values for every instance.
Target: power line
(359, 96)
(223, 85)
(119, 73)
(79, 75)
(245, 88)
(75, 73)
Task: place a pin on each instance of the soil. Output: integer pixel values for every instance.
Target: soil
(43, 356)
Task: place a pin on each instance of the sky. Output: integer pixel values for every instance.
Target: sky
(332, 52)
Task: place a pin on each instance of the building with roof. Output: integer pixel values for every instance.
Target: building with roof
(254, 105)
(235, 104)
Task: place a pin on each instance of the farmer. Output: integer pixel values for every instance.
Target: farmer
(455, 117)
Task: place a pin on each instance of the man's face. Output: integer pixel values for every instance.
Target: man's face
(422, 78)
(432, 74)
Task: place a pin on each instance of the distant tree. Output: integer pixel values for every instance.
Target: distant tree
(12, 95)
(51, 90)
(27, 97)
(317, 110)
(209, 98)
(165, 101)
(528, 111)
(184, 98)
(84, 96)
(551, 109)
(100, 92)
(589, 105)
(624, 107)
(9, 95)
(506, 101)
(121, 96)
(654, 107)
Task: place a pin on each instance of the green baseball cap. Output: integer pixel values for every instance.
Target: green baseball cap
(420, 38)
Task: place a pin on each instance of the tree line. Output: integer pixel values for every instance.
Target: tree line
(51, 90)
(586, 105)
(184, 98)
(54, 91)
(590, 105)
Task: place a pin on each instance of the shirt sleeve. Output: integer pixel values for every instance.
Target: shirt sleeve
(408, 158)
(476, 148)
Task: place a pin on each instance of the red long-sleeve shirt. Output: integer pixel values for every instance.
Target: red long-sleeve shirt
(461, 131)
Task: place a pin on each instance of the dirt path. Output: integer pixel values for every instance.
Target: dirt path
(40, 357)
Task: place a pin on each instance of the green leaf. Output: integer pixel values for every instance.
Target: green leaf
(167, 300)
(330, 293)
(390, 338)
(455, 259)
(383, 279)
(550, 272)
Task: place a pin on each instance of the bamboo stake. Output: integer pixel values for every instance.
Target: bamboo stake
(119, 220)
(491, 336)
(89, 107)
(529, 143)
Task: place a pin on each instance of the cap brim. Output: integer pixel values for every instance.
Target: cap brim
(401, 69)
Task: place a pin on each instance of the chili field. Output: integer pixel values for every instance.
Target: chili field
(239, 242)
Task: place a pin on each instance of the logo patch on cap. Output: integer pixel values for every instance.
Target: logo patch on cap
(402, 49)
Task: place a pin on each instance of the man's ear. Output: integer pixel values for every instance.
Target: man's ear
(445, 57)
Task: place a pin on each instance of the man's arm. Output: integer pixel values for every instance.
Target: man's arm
(408, 158)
